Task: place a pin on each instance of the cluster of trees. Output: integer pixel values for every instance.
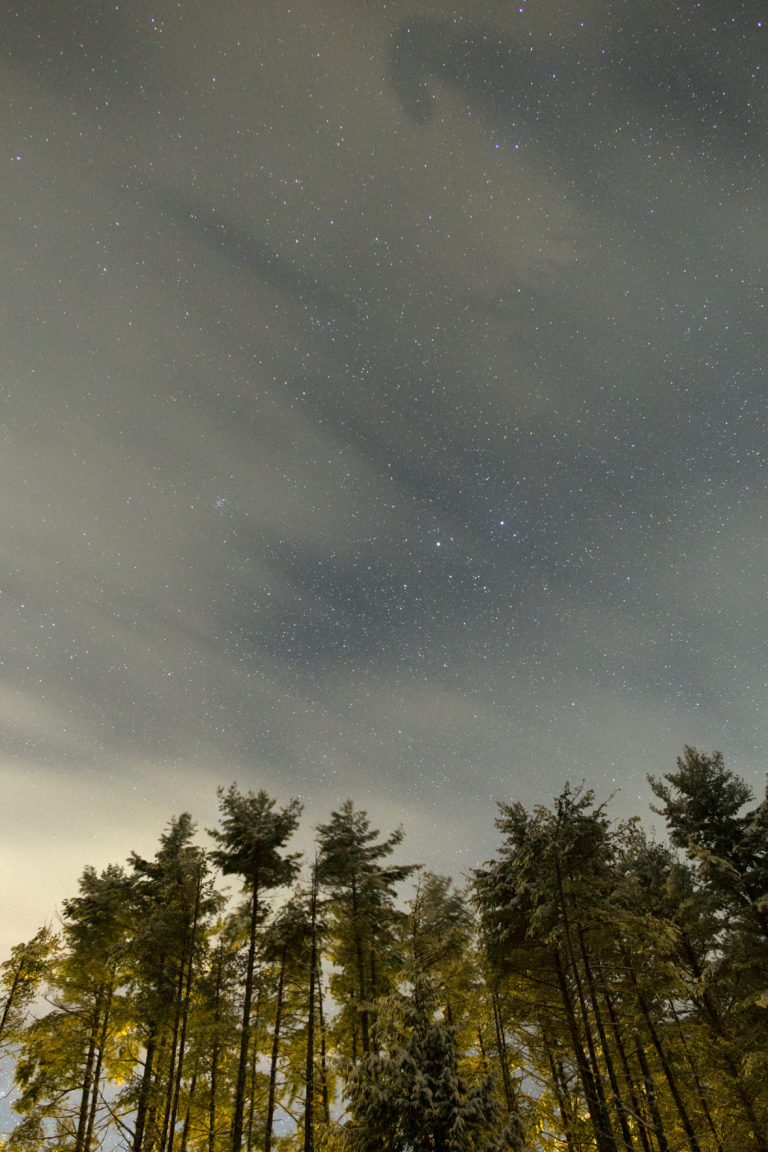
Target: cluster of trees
(593, 990)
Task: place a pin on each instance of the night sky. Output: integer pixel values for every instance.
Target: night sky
(383, 413)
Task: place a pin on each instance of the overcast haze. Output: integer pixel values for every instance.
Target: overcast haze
(383, 413)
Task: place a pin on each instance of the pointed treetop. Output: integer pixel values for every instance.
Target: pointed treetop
(251, 835)
(350, 847)
(702, 801)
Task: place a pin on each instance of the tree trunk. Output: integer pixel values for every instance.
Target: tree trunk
(87, 1081)
(716, 1022)
(142, 1107)
(607, 1054)
(360, 976)
(213, 1083)
(187, 996)
(696, 1080)
(605, 1143)
(650, 1092)
(598, 1108)
(323, 1064)
(245, 1033)
(102, 1042)
(501, 1048)
(627, 1072)
(671, 1079)
(171, 1073)
(10, 998)
(275, 1052)
(560, 1093)
(309, 1092)
(252, 1073)
(212, 1096)
(188, 1114)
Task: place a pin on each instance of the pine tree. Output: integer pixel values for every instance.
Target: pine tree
(173, 900)
(409, 1095)
(22, 975)
(363, 918)
(554, 866)
(251, 839)
(703, 804)
(64, 1052)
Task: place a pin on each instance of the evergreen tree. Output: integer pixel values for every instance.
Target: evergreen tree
(173, 900)
(611, 996)
(64, 1052)
(703, 804)
(21, 977)
(408, 1094)
(214, 1037)
(363, 918)
(250, 841)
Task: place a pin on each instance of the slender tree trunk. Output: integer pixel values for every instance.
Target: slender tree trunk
(660, 1052)
(606, 1139)
(323, 1062)
(715, 1019)
(188, 976)
(560, 1093)
(252, 1074)
(275, 1052)
(11, 995)
(102, 1043)
(245, 1033)
(153, 1129)
(215, 1047)
(650, 1093)
(87, 1081)
(212, 1086)
(309, 1093)
(604, 1142)
(696, 1080)
(671, 1079)
(607, 1054)
(142, 1108)
(364, 1023)
(171, 1073)
(501, 1048)
(188, 1114)
(627, 1072)
(484, 1065)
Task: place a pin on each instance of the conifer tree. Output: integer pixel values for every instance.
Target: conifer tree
(409, 1095)
(63, 1053)
(362, 917)
(251, 839)
(214, 1036)
(21, 977)
(552, 865)
(173, 900)
(703, 804)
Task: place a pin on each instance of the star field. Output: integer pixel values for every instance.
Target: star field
(384, 413)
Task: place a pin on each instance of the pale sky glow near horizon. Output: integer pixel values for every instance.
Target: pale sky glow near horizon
(383, 414)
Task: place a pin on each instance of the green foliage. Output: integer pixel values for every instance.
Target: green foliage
(21, 977)
(251, 837)
(407, 1094)
(363, 919)
(602, 993)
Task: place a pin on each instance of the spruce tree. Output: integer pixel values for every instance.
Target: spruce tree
(251, 839)
(362, 917)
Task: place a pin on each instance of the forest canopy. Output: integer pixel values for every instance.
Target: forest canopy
(591, 989)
